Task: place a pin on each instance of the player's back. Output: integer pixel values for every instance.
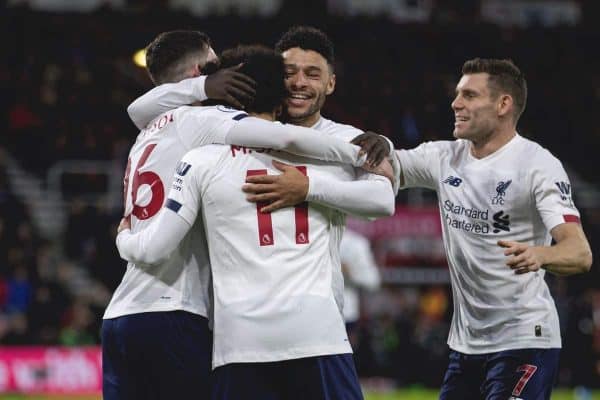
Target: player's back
(180, 282)
(273, 298)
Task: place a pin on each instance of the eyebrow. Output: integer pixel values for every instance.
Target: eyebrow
(308, 67)
(468, 91)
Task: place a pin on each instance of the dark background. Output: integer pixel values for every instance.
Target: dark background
(67, 77)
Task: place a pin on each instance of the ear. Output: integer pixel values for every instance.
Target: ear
(195, 71)
(505, 105)
(330, 85)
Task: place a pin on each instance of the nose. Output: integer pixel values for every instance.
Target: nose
(457, 103)
(298, 81)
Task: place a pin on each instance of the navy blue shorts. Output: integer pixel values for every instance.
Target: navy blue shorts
(331, 377)
(156, 355)
(527, 374)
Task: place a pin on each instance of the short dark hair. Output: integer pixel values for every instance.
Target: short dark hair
(262, 64)
(307, 38)
(168, 54)
(504, 76)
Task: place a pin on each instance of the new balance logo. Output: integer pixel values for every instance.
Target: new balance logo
(565, 189)
(182, 168)
(501, 222)
(453, 181)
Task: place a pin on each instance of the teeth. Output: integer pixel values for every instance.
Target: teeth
(300, 96)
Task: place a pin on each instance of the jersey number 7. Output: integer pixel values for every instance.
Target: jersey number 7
(145, 178)
(265, 224)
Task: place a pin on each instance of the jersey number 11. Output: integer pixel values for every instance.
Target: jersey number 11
(265, 224)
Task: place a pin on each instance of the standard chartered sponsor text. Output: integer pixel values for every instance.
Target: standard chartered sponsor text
(477, 224)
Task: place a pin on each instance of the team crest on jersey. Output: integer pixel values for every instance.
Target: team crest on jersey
(501, 192)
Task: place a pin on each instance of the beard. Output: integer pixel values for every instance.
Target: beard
(295, 116)
(476, 131)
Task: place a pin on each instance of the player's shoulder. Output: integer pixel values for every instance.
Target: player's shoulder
(217, 111)
(348, 132)
(440, 147)
(536, 155)
(207, 155)
(157, 126)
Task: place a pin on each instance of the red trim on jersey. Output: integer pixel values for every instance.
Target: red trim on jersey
(265, 224)
(301, 216)
(572, 218)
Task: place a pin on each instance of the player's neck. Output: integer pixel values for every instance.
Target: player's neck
(492, 143)
(265, 115)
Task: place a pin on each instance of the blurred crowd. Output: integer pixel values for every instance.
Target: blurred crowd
(65, 82)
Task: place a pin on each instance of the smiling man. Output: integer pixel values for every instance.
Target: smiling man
(309, 75)
(503, 199)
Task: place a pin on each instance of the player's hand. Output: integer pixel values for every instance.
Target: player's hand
(277, 191)
(524, 258)
(384, 169)
(231, 86)
(124, 224)
(374, 145)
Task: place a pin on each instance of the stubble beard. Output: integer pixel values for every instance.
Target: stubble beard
(314, 108)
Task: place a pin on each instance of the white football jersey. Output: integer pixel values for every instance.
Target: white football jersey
(345, 132)
(272, 273)
(181, 282)
(518, 193)
(361, 271)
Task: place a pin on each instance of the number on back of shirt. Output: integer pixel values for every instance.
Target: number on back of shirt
(265, 224)
(145, 178)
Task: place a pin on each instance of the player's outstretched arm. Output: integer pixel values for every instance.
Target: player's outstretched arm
(306, 142)
(226, 84)
(570, 255)
(370, 197)
(164, 98)
(154, 244)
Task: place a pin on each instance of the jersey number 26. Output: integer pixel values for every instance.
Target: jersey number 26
(145, 178)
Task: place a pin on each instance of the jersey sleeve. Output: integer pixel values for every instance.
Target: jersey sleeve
(164, 98)
(200, 127)
(359, 262)
(156, 242)
(254, 132)
(370, 196)
(553, 193)
(191, 177)
(418, 166)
